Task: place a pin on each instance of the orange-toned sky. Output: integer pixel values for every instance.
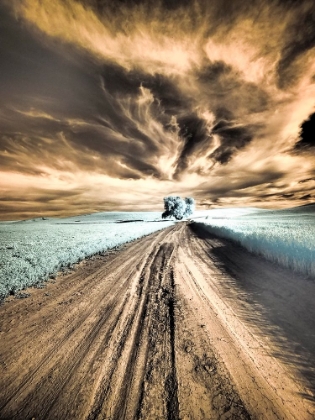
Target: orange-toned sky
(113, 104)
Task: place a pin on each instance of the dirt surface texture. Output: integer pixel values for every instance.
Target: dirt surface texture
(176, 325)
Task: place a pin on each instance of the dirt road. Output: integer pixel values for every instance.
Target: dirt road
(177, 325)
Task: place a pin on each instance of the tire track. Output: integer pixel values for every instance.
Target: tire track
(159, 379)
(171, 381)
(137, 311)
(135, 354)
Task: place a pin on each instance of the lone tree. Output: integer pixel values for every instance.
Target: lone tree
(178, 207)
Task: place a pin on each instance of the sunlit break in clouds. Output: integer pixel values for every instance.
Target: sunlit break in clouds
(112, 105)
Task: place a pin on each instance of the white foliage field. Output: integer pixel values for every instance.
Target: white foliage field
(32, 250)
(286, 237)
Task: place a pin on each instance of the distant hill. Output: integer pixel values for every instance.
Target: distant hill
(310, 206)
(305, 209)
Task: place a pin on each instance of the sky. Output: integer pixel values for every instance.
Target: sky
(113, 104)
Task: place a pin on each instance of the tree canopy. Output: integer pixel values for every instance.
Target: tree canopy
(178, 207)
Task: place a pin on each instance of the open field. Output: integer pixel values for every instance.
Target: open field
(286, 237)
(177, 325)
(33, 250)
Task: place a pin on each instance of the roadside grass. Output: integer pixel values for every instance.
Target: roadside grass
(33, 251)
(284, 237)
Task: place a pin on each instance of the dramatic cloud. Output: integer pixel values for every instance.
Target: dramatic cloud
(108, 105)
(307, 137)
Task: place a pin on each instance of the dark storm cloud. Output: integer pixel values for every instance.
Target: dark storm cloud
(172, 100)
(232, 139)
(307, 134)
(220, 87)
(168, 102)
(225, 93)
(195, 135)
(223, 87)
(168, 99)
